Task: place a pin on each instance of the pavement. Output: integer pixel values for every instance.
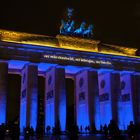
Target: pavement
(63, 137)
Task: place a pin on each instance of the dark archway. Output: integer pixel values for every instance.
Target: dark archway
(13, 98)
(70, 103)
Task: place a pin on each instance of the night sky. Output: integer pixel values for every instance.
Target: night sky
(115, 21)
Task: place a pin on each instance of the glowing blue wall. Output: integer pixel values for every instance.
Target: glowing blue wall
(23, 99)
(3, 90)
(50, 98)
(97, 113)
(104, 79)
(94, 89)
(33, 92)
(116, 102)
(61, 90)
(55, 98)
(82, 99)
(28, 99)
(49, 115)
(22, 119)
(82, 116)
(126, 93)
(136, 97)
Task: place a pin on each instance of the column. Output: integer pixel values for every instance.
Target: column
(136, 97)
(116, 102)
(55, 98)
(126, 93)
(3, 90)
(28, 100)
(86, 99)
(108, 95)
(93, 90)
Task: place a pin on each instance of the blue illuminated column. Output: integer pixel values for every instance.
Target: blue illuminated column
(3, 90)
(28, 99)
(136, 96)
(93, 98)
(55, 98)
(116, 102)
(86, 92)
(126, 93)
(108, 96)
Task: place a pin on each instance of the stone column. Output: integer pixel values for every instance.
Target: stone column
(55, 98)
(116, 102)
(29, 97)
(108, 95)
(86, 92)
(136, 97)
(126, 93)
(93, 92)
(3, 90)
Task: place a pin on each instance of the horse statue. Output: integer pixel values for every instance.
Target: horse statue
(70, 28)
(67, 27)
(81, 29)
(88, 32)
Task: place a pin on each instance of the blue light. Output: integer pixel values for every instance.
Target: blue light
(22, 114)
(127, 114)
(82, 116)
(102, 116)
(16, 64)
(104, 75)
(120, 116)
(106, 112)
(49, 115)
(74, 69)
(62, 109)
(2, 110)
(104, 70)
(97, 113)
(3, 90)
(33, 109)
(55, 103)
(45, 66)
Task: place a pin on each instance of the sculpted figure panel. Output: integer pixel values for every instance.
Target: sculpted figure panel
(67, 27)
